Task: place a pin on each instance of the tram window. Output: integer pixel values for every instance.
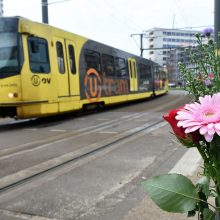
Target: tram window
(108, 65)
(60, 57)
(156, 73)
(92, 59)
(121, 68)
(144, 71)
(131, 70)
(38, 55)
(72, 59)
(135, 70)
(11, 54)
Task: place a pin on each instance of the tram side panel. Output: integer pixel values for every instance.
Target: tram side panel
(37, 79)
(160, 80)
(103, 74)
(145, 78)
(50, 74)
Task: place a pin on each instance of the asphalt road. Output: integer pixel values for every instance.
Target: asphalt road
(86, 166)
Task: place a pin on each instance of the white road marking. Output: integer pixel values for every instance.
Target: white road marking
(102, 119)
(23, 216)
(108, 132)
(58, 130)
(31, 129)
(188, 164)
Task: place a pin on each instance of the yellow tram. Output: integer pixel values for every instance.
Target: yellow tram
(46, 71)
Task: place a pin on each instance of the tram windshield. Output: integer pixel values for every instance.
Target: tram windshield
(9, 53)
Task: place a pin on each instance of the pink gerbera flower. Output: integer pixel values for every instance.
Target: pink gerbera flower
(203, 116)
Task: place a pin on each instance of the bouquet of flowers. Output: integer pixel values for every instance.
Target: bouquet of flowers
(196, 124)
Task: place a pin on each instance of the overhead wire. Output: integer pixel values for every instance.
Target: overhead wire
(122, 15)
(181, 10)
(122, 19)
(57, 2)
(117, 18)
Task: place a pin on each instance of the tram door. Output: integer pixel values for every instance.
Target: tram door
(63, 75)
(71, 67)
(133, 74)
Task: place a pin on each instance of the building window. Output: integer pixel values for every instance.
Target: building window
(38, 55)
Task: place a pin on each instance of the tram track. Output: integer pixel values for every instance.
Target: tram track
(18, 149)
(15, 180)
(23, 176)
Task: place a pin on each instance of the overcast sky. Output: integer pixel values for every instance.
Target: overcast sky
(113, 21)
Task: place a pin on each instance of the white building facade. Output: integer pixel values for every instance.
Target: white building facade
(1, 8)
(165, 45)
(161, 40)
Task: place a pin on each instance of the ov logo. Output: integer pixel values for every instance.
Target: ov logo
(92, 83)
(35, 79)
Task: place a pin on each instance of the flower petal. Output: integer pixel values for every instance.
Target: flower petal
(218, 132)
(206, 100)
(217, 126)
(208, 137)
(210, 126)
(203, 130)
(211, 131)
(191, 129)
(216, 99)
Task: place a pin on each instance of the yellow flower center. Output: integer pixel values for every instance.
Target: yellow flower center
(209, 114)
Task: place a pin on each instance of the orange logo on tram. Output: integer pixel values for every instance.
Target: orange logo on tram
(92, 83)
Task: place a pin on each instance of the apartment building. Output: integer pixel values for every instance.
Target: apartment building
(1, 8)
(165, 46)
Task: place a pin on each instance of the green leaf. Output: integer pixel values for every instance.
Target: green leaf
(203, 185)
(208, 214)
(217, 201)
(172, 192)
(187, 143)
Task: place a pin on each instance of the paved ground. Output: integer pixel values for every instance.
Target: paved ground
(105, 186)
(147, 210)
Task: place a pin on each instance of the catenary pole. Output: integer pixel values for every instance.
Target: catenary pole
(217, 20)
(141, 42)
(44, 4)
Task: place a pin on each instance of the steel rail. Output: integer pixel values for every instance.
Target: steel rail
(35, 144)
(113, 142)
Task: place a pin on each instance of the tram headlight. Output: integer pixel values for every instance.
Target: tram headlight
(12, 95)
